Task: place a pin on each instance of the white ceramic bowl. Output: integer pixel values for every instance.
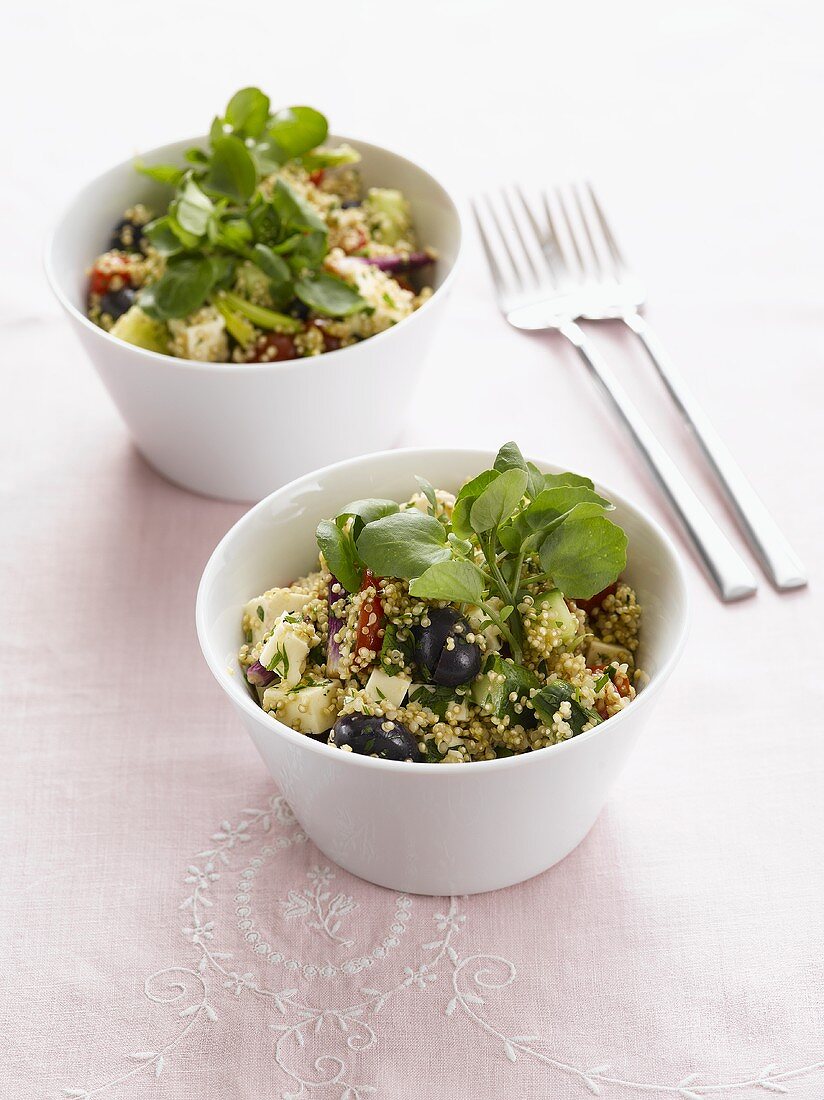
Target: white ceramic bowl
(239, 432)
(429, 829)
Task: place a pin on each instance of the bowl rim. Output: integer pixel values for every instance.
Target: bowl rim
(193, 364)
(350, 759)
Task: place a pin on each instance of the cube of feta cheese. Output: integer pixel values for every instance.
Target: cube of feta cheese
(381, 687)
(264, 610)
(201, 336)
(308, 709)
(286, 649)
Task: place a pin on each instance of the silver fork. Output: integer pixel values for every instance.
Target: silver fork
(592, 260)
(526, 264)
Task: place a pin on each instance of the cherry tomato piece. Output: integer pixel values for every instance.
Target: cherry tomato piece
(273, 347)
(106, 269)
(596, 600)
(371, 617)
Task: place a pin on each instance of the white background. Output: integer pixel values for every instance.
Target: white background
(700, 123)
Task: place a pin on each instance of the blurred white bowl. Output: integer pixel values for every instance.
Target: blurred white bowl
(429, 829)
(240, 431)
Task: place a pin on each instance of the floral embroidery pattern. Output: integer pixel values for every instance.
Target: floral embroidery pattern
(314, 1042)
(311, 905)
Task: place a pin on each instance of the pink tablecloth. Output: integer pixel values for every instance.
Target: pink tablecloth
(166, 930)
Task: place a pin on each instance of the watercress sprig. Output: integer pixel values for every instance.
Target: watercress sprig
(220, 211)
(512, 528)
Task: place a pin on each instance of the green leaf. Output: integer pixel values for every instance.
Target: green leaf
(509, 457)
(498, 501)
(161, 236)
(536, 480)
(271, 264)
(402, 545)
(366, 511)
(296, 130)
(548, 700)
(333, 297)
(467, 495)
(232, 171)
(231, 232)
(428, 490)
(306, 251)
(456, 581)
(552, 503)
(193, 209)
(339, 550)
(392, 642)
(583, 556)
(551, 480)
(247, 112)
(293, 211)
(163, 173)
(183, 288)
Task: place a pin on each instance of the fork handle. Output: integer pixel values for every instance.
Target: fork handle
(729, 572)
(777, 557)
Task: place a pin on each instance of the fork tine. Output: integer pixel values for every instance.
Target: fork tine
(517, 269)
(560, 250)
(546, 251)
(585, 218)
(571, 232)
(615, 252)
(519, 233)
(491, 259)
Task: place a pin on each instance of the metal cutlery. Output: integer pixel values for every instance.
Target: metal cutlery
(594, 263)
(536, 291)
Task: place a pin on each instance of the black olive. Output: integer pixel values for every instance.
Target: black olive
(126, 236)
(458, 665)
(347, 204)
(117, 302)
(367, 736)
(445, 662)
(299, 309)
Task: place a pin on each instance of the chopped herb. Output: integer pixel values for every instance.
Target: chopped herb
(260, 613)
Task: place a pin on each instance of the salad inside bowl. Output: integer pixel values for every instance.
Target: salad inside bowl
(426, 828)
(262, 245)
(451, 628)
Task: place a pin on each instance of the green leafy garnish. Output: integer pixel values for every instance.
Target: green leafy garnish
(222, 213)
(404, 544)
(513, 532)
(328, 295)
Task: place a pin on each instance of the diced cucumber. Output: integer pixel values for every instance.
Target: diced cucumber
(318, 702)
(383, 687)
(389, 214)
(138, 328)
(560, 616)
(263, 611)
(492, 693)
(604, 653)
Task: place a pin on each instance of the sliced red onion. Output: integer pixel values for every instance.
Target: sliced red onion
(335, 625)
(258, 675)
(394, 265)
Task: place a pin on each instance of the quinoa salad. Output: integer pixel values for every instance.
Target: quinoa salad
(268, 248)
(446, 629)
